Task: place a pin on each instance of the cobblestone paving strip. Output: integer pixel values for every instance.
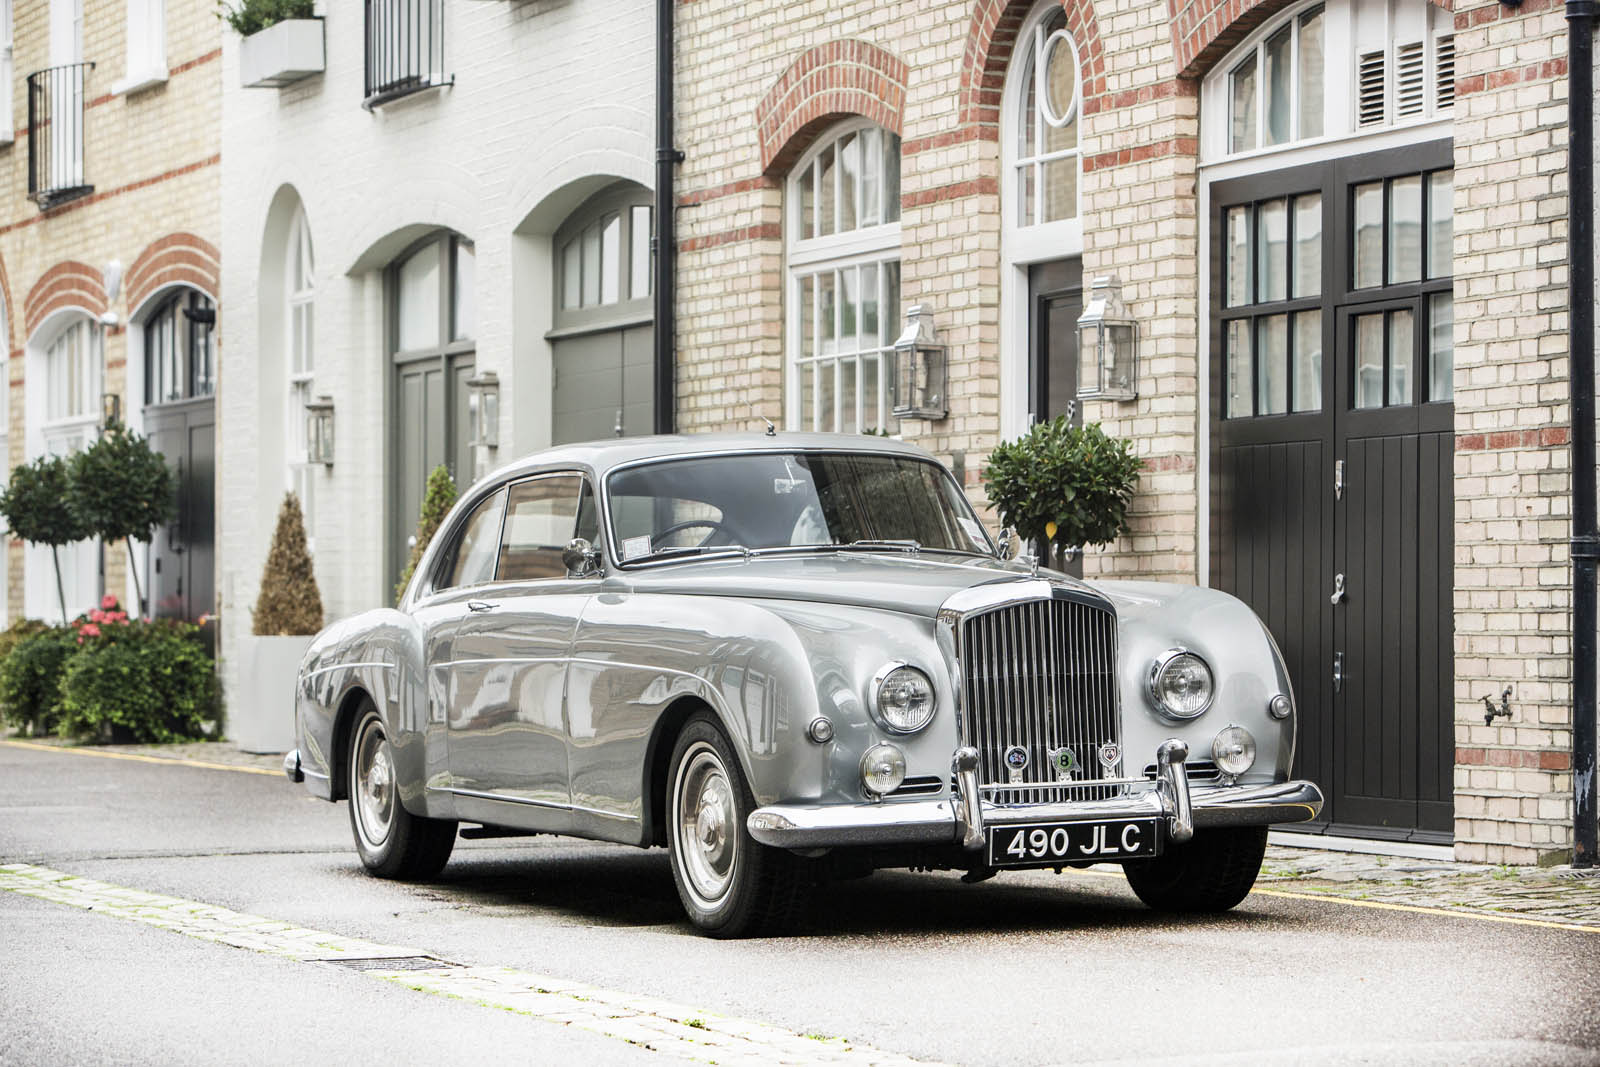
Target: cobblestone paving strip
(659, 1025)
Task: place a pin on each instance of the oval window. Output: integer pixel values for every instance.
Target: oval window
(1060, 88)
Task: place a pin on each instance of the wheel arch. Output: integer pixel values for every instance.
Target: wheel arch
(344, 721)
(658, 757)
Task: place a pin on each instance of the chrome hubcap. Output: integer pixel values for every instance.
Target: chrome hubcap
(705, 825)
(374, 791)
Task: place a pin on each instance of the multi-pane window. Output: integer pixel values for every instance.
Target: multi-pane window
(180, 359)
(1272, 296)
(1402, 229)
(607, 261)
(844, 280)
(73, 367)
(422, 317)
(405, 49)
(1047, 161)
(1276, 92)
(300, 339)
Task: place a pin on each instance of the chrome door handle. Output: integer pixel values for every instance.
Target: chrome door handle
(1338, 590)
(1338, 671)
(480, 605)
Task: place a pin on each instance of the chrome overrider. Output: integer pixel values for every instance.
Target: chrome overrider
(965, 819)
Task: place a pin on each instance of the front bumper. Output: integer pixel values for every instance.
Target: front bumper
(951, 820)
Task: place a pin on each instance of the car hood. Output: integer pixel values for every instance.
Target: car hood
(915, 585)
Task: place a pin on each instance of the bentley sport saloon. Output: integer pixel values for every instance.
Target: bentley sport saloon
(787, 658)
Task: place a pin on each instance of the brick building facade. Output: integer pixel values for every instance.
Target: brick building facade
(1415, 153)
(109, 226)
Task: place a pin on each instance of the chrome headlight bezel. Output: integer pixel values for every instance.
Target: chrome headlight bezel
(876, 698)
(1161, 665)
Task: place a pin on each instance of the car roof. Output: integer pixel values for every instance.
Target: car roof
(606, 455)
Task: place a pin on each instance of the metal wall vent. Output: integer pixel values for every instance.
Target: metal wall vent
(1369, 89)
(1444, 72)
(1410, 94)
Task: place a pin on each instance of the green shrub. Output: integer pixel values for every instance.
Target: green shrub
(122, 490)
(437, 499)
(30, 676)
(1065, 484)
(253, 16)
(143, 681)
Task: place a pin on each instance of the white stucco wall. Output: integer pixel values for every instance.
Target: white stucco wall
(551, 101)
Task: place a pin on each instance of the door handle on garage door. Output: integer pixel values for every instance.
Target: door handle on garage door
(1338, 590)
(480, 605)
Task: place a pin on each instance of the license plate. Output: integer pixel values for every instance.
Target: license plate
(1053, 844)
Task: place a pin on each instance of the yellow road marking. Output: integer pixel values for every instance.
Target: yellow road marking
(1383, 905)
(143, 759)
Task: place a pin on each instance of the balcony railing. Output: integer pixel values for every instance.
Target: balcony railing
(405, 49)
(55, 134)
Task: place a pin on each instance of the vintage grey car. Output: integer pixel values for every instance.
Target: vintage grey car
(789, 657)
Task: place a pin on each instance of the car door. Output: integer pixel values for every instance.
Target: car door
(508, 745)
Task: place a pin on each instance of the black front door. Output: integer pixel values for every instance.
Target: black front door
(183, 553)
(1331, 478)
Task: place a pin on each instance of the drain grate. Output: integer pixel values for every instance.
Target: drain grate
(392, 963)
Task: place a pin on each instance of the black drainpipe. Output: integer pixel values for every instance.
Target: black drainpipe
(666, 240)
(1585, 534)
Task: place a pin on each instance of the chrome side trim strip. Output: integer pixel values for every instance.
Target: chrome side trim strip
(347, 667)
(532, 803)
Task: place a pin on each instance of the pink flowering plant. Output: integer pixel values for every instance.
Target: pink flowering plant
(107, 616)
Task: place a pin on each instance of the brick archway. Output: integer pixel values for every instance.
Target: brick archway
(1203, 31)
(68, 284)
(991, 39)
(828, 82)
(176, 259)
(8, 313)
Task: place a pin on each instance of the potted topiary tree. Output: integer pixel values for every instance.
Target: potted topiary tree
(288, 615)
(437, 500)
(1063, 486)
(37, 506)
(122, 489)
(282, 41)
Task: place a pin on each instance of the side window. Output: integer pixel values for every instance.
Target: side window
(475, 553)
(542, 515)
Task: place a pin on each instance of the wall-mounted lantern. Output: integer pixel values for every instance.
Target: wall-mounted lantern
(1108, 344)
(483, 410)
(920, 367)
(319, 431)
(110, 410)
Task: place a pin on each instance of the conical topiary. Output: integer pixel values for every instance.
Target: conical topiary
(437, 500)
(289, 604)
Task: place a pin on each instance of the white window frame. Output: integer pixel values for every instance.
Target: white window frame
(1350, 28)
(300, 473)
(62, 435)
(7, 77)
(146, 46)
(878, 244)
(1037, 241)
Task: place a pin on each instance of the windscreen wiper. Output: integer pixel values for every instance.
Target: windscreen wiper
(688, 550)
(905, 545)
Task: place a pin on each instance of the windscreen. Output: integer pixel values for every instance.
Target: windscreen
(790, 500)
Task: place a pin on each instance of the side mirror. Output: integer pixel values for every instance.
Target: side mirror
(581, 558)
(1009, 545)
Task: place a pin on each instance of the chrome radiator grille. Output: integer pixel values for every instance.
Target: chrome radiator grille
(1041, 675)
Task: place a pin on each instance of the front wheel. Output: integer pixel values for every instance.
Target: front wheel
(392, 842)
(1210, 873)
(730, 885)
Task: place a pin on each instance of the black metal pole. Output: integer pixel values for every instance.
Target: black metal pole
(666, 240)
(1585, 534)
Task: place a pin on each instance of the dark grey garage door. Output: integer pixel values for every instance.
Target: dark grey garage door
(1331, 466)
(603, 384)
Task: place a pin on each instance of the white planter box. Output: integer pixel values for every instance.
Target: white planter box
(282, 53)
(261, 713)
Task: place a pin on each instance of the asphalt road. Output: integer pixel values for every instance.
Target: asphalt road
(1027, 968)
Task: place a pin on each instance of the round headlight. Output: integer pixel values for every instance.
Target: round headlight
(883, 768)
(903, 698)
(1181, 684)
(1234, 750)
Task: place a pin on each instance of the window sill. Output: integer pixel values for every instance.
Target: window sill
(7, 138)
(138, 81)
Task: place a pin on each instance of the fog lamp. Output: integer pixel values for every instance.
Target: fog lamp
(1234, 750)
(883, 768)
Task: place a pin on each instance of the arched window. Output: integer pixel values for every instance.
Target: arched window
(1045, 169)
(73, 364)
(180, 361)
(1327, 70)
(65, 370)
(842, 204)
(299, 287)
